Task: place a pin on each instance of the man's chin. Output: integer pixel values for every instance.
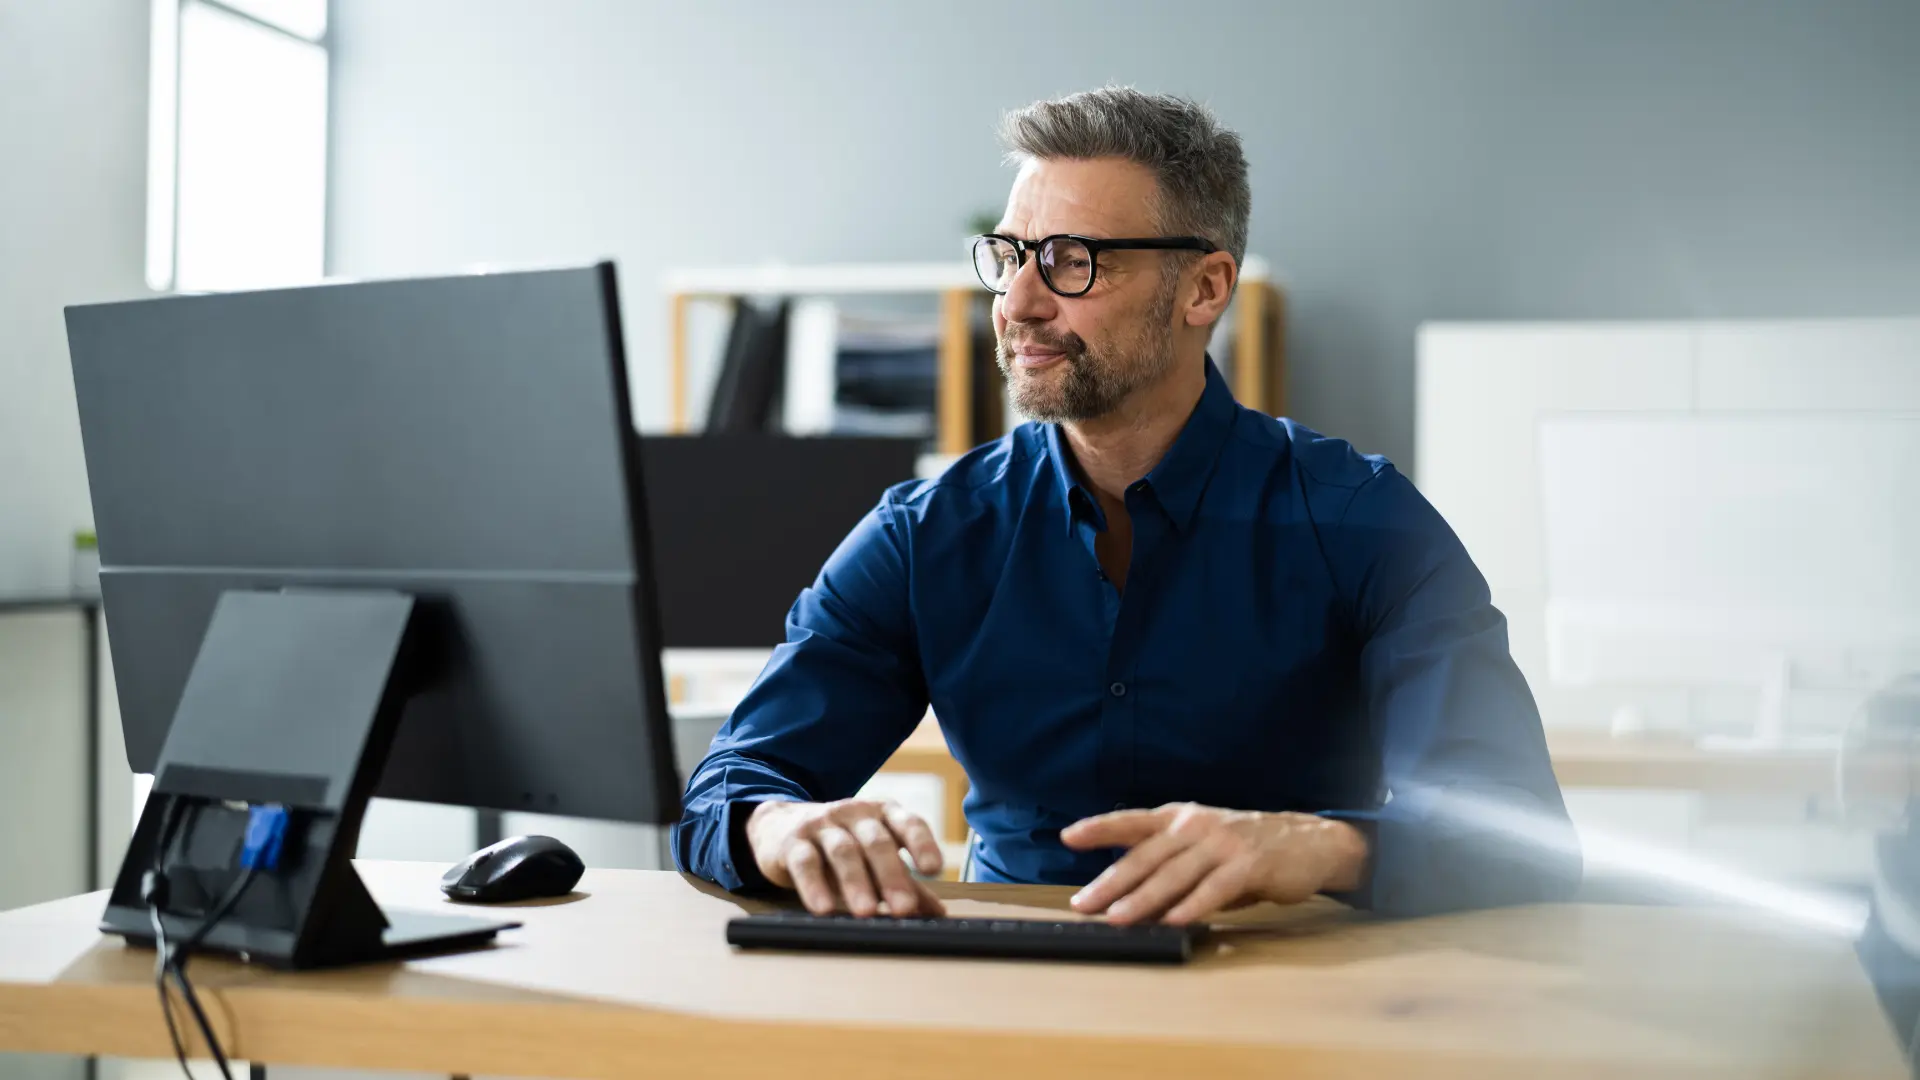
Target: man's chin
(1035, 397)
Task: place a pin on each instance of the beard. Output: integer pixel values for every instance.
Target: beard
(1088, 382)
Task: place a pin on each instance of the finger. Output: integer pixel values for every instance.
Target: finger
(917, 837)
(882, 850)
(849, 865)
(1225, 887)
(808, 869)
(1122, 828)
(1172, 882)
(1124, 876)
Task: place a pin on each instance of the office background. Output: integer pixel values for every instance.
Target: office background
(1412, 161)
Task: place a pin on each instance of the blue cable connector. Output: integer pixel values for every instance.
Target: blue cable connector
(266, 828)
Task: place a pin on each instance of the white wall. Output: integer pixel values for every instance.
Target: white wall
(73, 137)
(1411, 160)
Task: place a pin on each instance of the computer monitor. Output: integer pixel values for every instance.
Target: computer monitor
(1765, 553)
(417, 508)
(752, 371)
(746, 522)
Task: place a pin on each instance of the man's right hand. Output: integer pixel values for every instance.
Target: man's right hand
(845, 855)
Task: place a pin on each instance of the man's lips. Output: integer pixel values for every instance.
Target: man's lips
(1034, 356)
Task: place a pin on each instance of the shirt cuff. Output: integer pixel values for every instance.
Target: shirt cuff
(1368, 822)
(737, 859)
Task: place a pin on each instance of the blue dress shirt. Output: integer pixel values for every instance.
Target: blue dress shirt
(1300, 630)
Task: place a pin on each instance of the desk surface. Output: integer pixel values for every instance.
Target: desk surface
(635, 978)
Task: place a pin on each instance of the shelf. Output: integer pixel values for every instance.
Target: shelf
(1258, 314)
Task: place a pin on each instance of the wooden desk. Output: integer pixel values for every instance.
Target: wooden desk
(634, 979)
(1580, 759)
(1597, 760)
(925, 751)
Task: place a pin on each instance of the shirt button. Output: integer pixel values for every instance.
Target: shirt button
(1118, 689)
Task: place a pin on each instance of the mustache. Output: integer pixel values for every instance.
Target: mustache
(1069, 343)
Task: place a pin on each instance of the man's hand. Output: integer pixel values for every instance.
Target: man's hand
(846, 855)
(1188, 861)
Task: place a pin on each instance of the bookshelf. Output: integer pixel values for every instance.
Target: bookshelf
(1257, 321)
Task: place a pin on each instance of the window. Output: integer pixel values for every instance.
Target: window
(237, 144)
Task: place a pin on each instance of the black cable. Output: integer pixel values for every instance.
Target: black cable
(177, 962)
(153, 891)
(160, 987)
(220, 911)
(172, 957)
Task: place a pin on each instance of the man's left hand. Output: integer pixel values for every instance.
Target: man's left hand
(1187, 862)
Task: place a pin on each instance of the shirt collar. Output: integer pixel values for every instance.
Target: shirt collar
(1181, 477)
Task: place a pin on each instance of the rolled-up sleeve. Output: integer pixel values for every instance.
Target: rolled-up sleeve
(1472, 815)
(835, 700)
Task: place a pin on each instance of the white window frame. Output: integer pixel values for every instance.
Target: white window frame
(163, 128)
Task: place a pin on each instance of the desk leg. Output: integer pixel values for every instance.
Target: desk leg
(91, 613)
(92, 742)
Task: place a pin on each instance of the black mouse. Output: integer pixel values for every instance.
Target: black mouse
(517, 868)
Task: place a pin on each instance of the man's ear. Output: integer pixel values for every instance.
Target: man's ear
(1213, 287)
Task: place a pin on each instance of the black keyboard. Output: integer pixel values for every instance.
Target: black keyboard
(1022, 939)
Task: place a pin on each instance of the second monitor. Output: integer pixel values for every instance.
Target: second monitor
(742, 523)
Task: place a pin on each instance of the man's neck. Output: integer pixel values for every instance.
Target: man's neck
(1124, 445)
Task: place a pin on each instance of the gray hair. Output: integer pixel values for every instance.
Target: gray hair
(1200, 167)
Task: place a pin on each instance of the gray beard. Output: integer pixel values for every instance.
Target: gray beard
(1081, 394)
(1094, 384)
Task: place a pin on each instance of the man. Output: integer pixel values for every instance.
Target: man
(1190, 656)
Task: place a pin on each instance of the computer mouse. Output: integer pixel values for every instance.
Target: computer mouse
(517, 868)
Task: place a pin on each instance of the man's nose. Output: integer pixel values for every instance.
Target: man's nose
(1027, 298)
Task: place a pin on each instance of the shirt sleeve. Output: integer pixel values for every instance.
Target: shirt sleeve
(836, 699)
(1472, 815)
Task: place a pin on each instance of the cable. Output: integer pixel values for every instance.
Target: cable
(177, 963)
(160, 987)
(260, 850)
(153, 892)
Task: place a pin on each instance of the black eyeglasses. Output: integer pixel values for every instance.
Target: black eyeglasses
(1067, 262)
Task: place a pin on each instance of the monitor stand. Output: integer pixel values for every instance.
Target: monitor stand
(294, 698)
